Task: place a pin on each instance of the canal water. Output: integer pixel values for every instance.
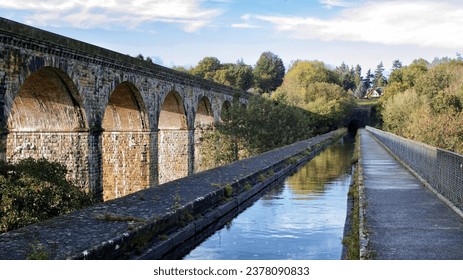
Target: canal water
(303, 218)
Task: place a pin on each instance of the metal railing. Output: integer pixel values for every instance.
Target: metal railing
(441, 169)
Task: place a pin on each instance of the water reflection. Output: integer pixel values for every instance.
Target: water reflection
(314, 177)
(300, 219)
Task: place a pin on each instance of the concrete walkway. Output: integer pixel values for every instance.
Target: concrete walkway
(404, 220)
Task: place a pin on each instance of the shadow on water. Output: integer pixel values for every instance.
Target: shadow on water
(300, 217)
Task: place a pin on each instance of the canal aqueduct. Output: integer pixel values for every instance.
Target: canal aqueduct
(119, 124)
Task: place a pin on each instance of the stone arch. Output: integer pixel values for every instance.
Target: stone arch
(125, 143)
(47, 120)
(204, 120)
(172, 114)
(48, 100)
(204, 114)
(225, 110)
(173, 139)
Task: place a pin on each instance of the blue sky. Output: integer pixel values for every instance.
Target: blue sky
(182, 32)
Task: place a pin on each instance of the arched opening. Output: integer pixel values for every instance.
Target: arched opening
(173, 139)
(125, 143)
(203, 123)
(353, 126)
(225, 112)
(47, 120)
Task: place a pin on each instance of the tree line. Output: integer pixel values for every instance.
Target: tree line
(424, 101)
(269, 72)
(264, 77)
(308, 100)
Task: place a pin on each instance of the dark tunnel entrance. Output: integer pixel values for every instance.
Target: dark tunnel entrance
(353, 126)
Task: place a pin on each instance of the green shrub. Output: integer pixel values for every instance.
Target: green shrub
(430, 108)
(36, 190)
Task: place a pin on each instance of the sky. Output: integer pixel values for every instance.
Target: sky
(182, 32)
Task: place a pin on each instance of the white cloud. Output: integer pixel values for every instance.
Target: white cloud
(98, 13)
(247, 18)
(244, 26)
(336, 3)
(420, 23)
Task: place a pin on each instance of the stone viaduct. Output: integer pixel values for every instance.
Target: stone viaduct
(119, 124)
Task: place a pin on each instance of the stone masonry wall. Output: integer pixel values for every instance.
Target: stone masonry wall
(173, 155)
(125, 163)
(69, 149)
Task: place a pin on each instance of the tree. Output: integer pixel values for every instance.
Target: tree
(367, 79)
(378, 79)
(330, 101)
(238, 75)
(268, 72)
(303, 75)
(459, 57)
(360, 87)
(441, 60)
(243, 75)
(358, 75)
(424, 102)
(206, 68)
(225, 75)
(411, 73)
(404, 78)
(313, 86)
(347, 77)
(396, 64)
